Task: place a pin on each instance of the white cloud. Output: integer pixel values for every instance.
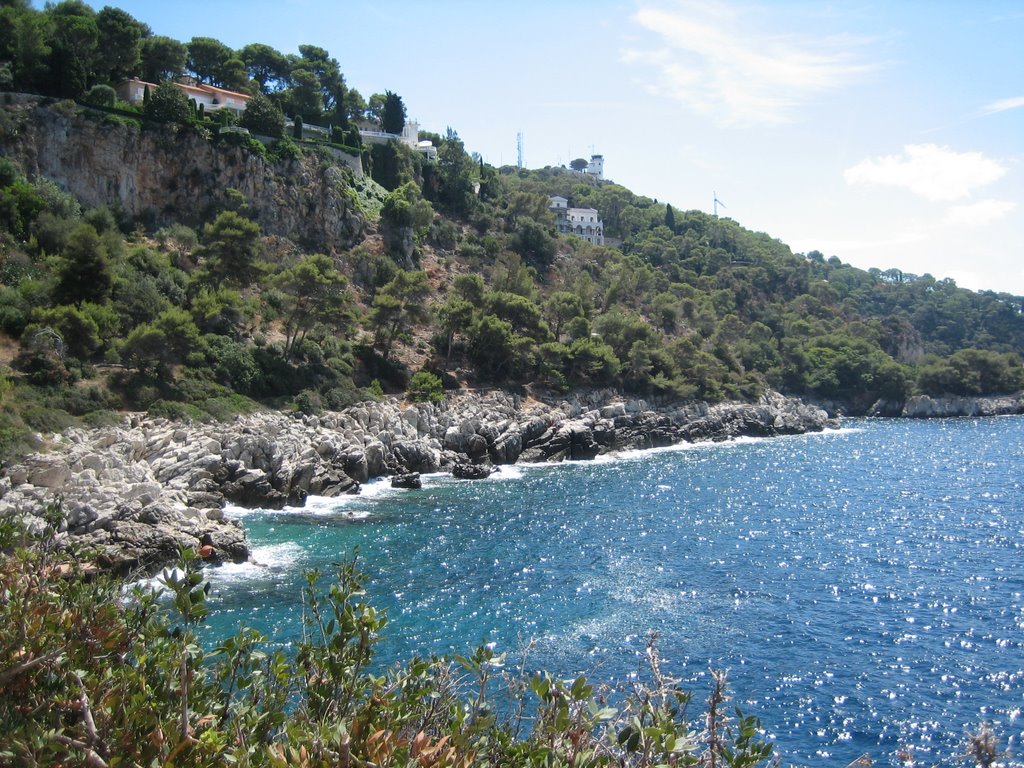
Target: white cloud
(718, 61)
(1003, 105)
(978, 214)
(933, 172)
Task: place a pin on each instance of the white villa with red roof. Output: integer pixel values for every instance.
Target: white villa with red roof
(210, 96)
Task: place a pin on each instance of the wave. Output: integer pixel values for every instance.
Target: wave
(636, 454)
(361, 506)
(347, 504)
(271, 561)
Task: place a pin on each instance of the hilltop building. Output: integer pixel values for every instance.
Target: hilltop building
(585, 223)
(593, 168)
(409, 136)
(211, 97)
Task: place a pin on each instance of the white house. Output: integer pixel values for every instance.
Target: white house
(410, 136)
(594, 168)
(585, 223)
(210, 96)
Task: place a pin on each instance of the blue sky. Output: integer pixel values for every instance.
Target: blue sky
(889, 134)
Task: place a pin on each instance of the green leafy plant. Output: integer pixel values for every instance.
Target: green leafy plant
(425, 386)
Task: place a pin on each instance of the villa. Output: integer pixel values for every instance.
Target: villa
(410, 136)
(585, 223)
(210, 96)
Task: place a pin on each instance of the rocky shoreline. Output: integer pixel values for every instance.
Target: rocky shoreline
(925, 407)
(138, 492)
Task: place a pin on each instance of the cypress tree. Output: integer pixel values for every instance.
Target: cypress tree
(670, 218)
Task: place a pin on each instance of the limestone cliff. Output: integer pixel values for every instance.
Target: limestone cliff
(163, 174)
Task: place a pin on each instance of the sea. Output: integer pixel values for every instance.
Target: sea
(862, 587)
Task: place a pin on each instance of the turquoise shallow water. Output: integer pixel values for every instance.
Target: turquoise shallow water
(862, 587)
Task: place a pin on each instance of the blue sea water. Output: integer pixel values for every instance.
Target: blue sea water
(862, 587)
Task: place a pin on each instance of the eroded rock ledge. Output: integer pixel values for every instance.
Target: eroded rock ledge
(925, 407)
(139, 491)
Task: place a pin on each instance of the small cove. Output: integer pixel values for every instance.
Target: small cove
(862, 587)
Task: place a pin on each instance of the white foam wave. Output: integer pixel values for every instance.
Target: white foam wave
(359, 506)
(507, 472)
(264, 562)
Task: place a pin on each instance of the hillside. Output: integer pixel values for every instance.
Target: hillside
(153, 256)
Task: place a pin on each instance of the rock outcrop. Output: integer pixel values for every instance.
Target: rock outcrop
(925, 407)
(166, 174)
(140, 491)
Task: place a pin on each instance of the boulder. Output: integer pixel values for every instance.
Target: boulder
(376, 459)
(46, 471)
(582, 445)
(507, 446)
(535, 430)
(331, 481)
(253, 490)
(471, 471)
(476, 446)
(415, 456)
(409, 480)
(354, 464)
(532, 456)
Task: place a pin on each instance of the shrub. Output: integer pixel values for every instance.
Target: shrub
(43, 419)
(168, 104)
(236, 138)
(175, 411)
(425, 387)
(284, 149)
(101, 96)
(100, 419)
(263, 116)
(41, 360)
(15, 437)
(138, 684)
(80, 401)
(308, 401)
(14, 311)
(375, 390)
(226, 407)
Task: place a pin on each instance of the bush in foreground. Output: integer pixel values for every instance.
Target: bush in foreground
(94, 677)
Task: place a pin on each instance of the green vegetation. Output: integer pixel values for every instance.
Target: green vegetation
(425, 387)
(392, 113)
(468, 281)
(93, 678)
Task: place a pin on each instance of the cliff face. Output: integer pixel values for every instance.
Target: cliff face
(164, 174)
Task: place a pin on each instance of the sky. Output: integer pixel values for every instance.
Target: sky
(889, 134)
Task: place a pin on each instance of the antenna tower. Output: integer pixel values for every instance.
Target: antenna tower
(519, 149)
(717, 203)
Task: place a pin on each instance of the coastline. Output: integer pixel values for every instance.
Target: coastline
(136, 493)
